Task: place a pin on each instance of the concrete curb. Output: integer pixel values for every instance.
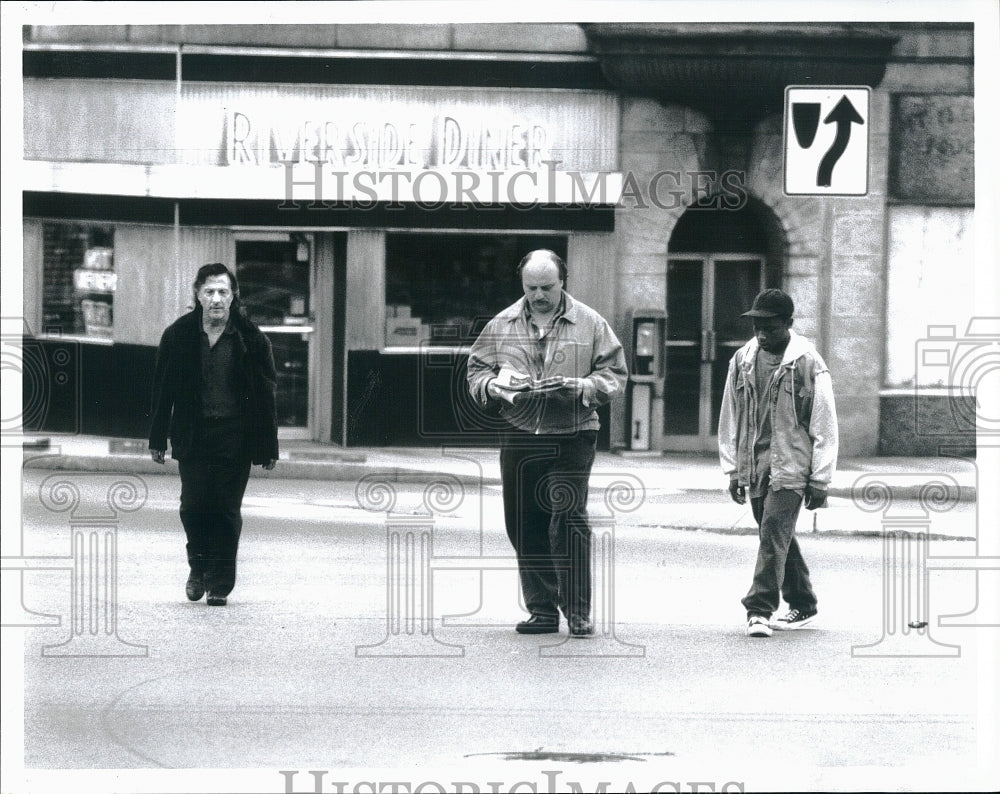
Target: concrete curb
(285, 470)
(817, 533)
(354, 468)
(960, 493)
(669, 505)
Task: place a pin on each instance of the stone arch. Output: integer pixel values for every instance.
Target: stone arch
(710, 226)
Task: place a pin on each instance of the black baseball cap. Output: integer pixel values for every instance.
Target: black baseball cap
(771, 303)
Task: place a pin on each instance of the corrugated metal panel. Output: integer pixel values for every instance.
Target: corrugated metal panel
(145, 296)
(365, 289)
(591, 257)
(134, 121)
(108, 121)
(199, 246)
(33, 247)
(154, 282)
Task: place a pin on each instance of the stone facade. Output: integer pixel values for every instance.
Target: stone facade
(834, 255)
(834, 259)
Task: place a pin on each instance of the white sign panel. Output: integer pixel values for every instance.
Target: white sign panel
(826, 140)
(377, 127)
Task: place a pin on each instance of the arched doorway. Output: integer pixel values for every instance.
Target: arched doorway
(717, 261)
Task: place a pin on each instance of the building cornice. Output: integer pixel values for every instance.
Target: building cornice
(737, 74)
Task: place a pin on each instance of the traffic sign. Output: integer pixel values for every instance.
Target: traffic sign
(826, 140)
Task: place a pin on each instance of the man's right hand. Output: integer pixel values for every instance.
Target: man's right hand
(737, 492)
(158, 455)
(815, 497)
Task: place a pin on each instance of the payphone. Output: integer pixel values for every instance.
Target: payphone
(645, 370)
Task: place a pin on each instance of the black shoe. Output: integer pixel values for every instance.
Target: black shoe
(580, 626)
(795, 619)
(538, 624)
(215, 600)
(194, 589)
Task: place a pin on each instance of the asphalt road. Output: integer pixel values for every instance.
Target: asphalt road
(302, 671)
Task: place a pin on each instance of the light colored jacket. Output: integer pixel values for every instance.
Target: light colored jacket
(803, 418)
(581, 344)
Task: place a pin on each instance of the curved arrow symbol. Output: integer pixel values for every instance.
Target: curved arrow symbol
(844, 115)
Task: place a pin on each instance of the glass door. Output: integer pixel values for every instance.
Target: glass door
(706, 294)
(275, 274)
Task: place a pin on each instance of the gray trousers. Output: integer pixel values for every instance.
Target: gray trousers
(546, 481)
(780, 568)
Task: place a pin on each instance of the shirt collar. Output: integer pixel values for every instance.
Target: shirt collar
(566, 310)
(225, 331)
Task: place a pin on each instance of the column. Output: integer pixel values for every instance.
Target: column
(94, 571)
(906, 622)
(409, 549)
(622, 493)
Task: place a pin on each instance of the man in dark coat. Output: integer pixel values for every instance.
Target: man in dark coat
(213, 396)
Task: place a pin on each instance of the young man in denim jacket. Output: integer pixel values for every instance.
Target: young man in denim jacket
(778, 439)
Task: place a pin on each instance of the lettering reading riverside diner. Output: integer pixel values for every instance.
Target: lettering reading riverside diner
(440, 141)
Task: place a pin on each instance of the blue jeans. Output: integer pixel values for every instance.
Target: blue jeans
(780, 568)
(213, 479)
(546, 480)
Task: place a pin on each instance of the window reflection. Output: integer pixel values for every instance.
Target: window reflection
(441, 289)
(79, 279)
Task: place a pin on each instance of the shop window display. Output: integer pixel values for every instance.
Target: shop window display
(441, 289)
(79, 279)
(274, 290)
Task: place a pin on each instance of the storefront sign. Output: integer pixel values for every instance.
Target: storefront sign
(94, 280)
(393, 144)
(407, 128)
(373, 142)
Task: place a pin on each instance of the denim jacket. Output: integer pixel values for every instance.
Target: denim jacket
(803, 418)
(581, 344)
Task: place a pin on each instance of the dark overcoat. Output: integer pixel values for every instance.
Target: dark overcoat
(176, 403)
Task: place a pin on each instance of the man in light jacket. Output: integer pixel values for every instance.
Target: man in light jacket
(778, 440)
(550, 361)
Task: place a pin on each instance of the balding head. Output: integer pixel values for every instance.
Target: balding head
(542, 279)
(544, 255)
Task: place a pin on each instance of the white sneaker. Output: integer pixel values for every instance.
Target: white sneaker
(794, 619)
(757, 626)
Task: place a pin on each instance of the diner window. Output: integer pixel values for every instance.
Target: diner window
(79, 279)
(441, 289)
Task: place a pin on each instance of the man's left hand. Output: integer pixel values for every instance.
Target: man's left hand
(269, 464)
(580, 386)
(815, 497)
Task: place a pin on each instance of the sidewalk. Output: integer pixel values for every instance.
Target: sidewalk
(675, 490)
(314, 461)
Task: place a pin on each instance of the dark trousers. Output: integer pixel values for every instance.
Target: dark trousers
(545, 488)
(213, 479)
(780, 567)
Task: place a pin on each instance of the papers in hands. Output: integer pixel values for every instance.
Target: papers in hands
(510, 384)
(510, 379)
